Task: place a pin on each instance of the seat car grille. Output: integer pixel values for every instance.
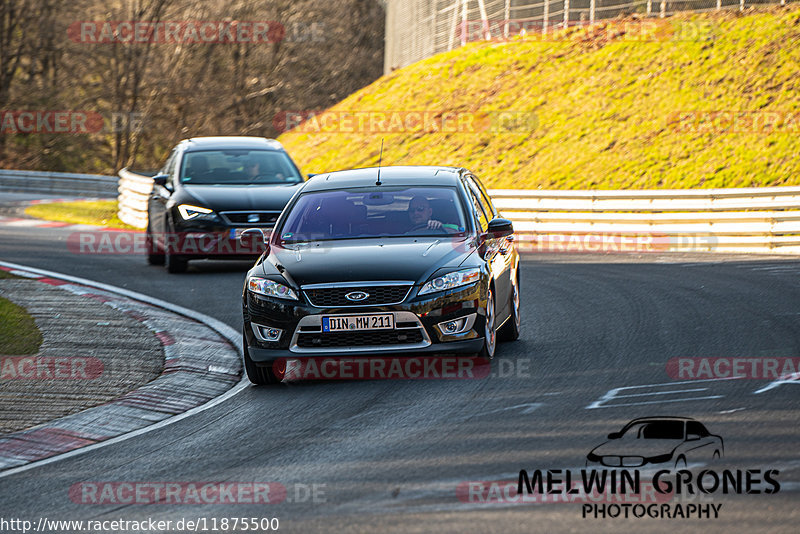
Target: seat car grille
(359, 339)
(329, 297)
(250, 218)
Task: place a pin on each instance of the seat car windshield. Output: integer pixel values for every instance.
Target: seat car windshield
(238, 167)
(380, 211)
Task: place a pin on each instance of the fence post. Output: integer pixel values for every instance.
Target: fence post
(485, 21)
(463, 21)
(566, 14)
(650, 7)
(546, 16)
(741, 5)
(719, 5)
(507, 14)
(454, 26)
(591, 11)
(663, 9)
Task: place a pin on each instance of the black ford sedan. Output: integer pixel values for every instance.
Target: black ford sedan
(402, 261)
(209, 190)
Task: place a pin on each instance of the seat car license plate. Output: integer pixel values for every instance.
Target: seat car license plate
(358, 322)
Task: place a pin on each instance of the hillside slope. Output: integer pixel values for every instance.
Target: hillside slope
(614, 109)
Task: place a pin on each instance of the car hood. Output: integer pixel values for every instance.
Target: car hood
(242, 197)
(355, 260)
(637, 447)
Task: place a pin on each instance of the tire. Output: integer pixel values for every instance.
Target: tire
(510, 330)
(489, 332)
(154, 257)
(258, 375)
(174, 264)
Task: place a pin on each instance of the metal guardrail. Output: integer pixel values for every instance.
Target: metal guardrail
(134, 190)
(58, 183)
(763, 220)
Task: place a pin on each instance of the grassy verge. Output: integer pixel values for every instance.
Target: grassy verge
(18, 332)
(603, 108)
(97, 212)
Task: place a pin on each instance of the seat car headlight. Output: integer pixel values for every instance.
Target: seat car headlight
(189, 212)
(451, 280)
(270, 288)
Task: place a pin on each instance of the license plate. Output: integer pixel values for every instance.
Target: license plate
(358, 322)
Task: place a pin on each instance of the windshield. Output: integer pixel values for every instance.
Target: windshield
(378, 211)
(242, 167)
(656, 430)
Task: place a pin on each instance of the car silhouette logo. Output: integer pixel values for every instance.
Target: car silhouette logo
(253, 217)
(672, 441)
(357, 296)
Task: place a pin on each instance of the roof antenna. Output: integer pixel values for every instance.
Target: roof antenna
(378, 181)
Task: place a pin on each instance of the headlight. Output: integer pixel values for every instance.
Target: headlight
(660, 459)
(189, 212)
(451, 280)
(271, 289)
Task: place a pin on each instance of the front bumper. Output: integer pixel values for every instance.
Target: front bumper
(416, 329)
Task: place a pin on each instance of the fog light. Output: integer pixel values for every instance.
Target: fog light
(457, 326)
(266, 333)
(451, 327)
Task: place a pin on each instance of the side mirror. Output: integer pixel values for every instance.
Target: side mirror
(161, 179)
(312, 174)
(614, 435)
(692, 437)
(500, 228)
(253, 239)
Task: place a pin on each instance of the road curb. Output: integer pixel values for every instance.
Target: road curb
(202, 368)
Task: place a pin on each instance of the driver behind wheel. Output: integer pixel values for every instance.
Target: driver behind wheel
(252, 168)
(258, 169)
(419, 215)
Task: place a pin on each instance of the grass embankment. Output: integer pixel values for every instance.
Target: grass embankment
(96, 212)
(18, 332)
(604, 105)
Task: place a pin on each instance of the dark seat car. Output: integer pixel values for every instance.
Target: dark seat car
(674, 441)
(406, 261)
(209, 190)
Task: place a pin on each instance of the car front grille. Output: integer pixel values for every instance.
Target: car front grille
(359, 339)
(250, 218)
(329, 297)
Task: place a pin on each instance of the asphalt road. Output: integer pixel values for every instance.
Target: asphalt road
(388, 456)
